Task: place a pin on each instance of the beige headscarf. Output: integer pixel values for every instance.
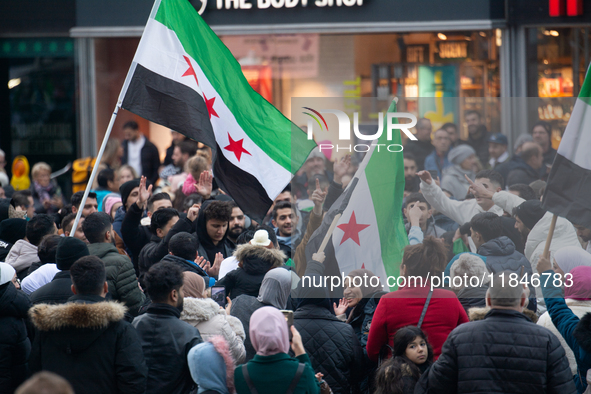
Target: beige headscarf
(194, 285)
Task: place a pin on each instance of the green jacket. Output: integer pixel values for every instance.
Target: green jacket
(273, 374)
(121, 277)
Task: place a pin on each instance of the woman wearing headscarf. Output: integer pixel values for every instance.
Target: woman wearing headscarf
(332, 344)
(570, 257)
(212, 367)
(207, 316)
(274, 291)
(272, 370)
(359, 302)
(578, 300)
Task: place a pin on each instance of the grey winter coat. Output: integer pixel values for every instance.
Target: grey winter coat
(207, 316)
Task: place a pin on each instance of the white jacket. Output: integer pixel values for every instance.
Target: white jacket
(579, 308)
(564, 232)
(207, 316)
(458, 211)
(22, 255)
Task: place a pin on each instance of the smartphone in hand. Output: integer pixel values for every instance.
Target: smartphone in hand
(289, 319)
(218, 294)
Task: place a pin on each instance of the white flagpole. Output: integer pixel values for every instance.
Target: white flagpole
(110, 127)
(94, 170)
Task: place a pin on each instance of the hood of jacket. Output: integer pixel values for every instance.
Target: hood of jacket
(502, 246)
(102, 249)
(76, 325)
(257, 259)
(13, 303)
(458, 172)
(204, 238)
(476, 314)
(564, 235)
(200, 309)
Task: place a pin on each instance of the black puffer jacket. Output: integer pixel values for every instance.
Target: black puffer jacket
(15, 347)
(88, 343)
(501, 256)
(157, 248)
(332, 346)
(166, 341)
(256, 261)
(504, 353)
(58, 291)
(472, 297)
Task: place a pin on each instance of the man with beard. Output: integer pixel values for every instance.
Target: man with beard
(236, 225)
(285, 222)
(411, 180)
(478, 136)
(166, 340)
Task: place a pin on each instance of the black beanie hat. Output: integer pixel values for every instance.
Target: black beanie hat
(530, 212)
(126, 189)
(69, 249)
(11, 230)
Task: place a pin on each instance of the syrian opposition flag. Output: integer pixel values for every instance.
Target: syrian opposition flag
(370, 233)
(569, 183)
(183, 77)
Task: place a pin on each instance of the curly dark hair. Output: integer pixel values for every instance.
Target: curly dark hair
(47, 248)
(218, 210)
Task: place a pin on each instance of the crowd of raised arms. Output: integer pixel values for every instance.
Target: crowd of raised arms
(166, 286)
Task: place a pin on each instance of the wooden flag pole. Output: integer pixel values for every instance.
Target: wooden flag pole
(549, 238)
(329, 233)
(99, 156)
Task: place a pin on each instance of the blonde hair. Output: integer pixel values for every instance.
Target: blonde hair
(127, 167)
(196, 165)
(40, 166)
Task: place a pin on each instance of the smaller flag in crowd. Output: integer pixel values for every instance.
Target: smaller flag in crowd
(370, 233)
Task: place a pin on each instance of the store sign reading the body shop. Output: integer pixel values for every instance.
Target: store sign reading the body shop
(264, 4)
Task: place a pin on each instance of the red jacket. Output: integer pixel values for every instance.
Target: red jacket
(403, 308)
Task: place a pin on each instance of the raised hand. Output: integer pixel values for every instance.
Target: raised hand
(319, 256)
(341, 167)
(193, 212)
(144, 194)
(296, 342)
(228, 305)
(318, 197)
(342, 307)
(425, 176)
(414, 215)
(479, 191)
(204, 185)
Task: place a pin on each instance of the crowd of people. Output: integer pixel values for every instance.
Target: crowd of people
(166, 286)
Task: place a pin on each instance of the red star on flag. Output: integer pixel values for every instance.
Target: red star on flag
(352, 230)
(236, 147)
(209, 104)
(190, 70)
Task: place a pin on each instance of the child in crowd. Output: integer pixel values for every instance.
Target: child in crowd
(411, 356)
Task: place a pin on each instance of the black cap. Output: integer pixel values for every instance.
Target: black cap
(11, 230)
(530, 212)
